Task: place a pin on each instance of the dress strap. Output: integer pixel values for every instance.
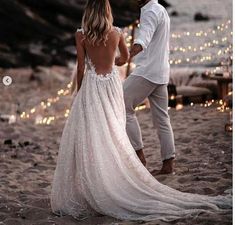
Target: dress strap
(80, 30)
(118, 29)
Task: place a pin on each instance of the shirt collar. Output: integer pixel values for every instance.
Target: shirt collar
(149, 4)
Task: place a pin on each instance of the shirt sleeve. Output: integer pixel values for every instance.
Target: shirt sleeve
(148, 25)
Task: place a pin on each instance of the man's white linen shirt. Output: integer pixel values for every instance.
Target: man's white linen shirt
(153, 62)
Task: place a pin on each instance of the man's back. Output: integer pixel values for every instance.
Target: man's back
(154, 34)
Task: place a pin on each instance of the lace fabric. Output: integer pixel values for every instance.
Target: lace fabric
(92, 70)
(98, 171)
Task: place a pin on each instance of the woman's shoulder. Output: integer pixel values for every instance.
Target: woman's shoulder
(79, 35)
(118, 29)
(80, 30)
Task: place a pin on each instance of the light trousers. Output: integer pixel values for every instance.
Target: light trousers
(136, 90)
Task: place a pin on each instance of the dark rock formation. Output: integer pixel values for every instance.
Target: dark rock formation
(174, 13)
(200, 17)
(8, 142)
(41, 32)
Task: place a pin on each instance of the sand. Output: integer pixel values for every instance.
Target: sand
(203, 165)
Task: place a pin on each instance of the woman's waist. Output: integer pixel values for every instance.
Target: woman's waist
(102, 73)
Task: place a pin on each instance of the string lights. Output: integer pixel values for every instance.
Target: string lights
(179, 35)
(194, 59)
(203, 47)
(46, 104)
(201, 59)
(220, 28)
(224, 52)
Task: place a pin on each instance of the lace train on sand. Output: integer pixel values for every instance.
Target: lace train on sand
(98, 170)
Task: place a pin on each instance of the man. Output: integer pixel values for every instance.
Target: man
(150, 79)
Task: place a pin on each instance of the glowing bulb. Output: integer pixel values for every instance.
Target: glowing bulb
(179, 107)
(33, 110)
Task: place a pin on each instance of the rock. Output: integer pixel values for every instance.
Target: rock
(33, 77)
(42, 32)
(21, 144)
(3, 119)
(14, 156)
(26, 143)
(23, 217)
(8, 142)
(13, 146)
(174, 13)
(36, 147)
(200, 17)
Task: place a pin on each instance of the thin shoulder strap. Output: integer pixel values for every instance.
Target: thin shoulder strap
(119, 30)
(80, 30)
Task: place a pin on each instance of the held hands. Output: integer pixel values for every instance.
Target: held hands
(135, 50)
(119, 61)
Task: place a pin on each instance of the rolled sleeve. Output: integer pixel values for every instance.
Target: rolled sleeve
(140, 42)
(148, 25)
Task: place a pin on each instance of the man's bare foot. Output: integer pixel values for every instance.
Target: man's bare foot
(167, 167)
(140, 154)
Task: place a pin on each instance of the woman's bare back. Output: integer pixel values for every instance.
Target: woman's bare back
(103, 56)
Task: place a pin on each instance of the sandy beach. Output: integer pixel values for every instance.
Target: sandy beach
(29, 152)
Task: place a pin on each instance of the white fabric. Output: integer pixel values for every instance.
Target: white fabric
(97, 168)
(153, 62)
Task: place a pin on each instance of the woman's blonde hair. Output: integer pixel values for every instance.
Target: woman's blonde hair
(97, 21)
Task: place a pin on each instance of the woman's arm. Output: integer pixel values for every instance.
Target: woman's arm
(80, 58)
(124, 53)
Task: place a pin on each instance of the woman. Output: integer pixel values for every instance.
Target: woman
(97, 169)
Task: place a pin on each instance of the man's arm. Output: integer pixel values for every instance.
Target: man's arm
(148, 25)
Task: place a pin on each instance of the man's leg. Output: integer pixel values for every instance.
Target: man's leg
(136, 89)
(161, 120)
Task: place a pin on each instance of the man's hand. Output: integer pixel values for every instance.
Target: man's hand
(136, 49)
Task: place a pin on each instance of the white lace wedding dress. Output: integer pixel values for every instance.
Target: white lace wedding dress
(98, 170)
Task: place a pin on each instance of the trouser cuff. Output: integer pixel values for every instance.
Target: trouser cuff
(171, 156)
(138, 148)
